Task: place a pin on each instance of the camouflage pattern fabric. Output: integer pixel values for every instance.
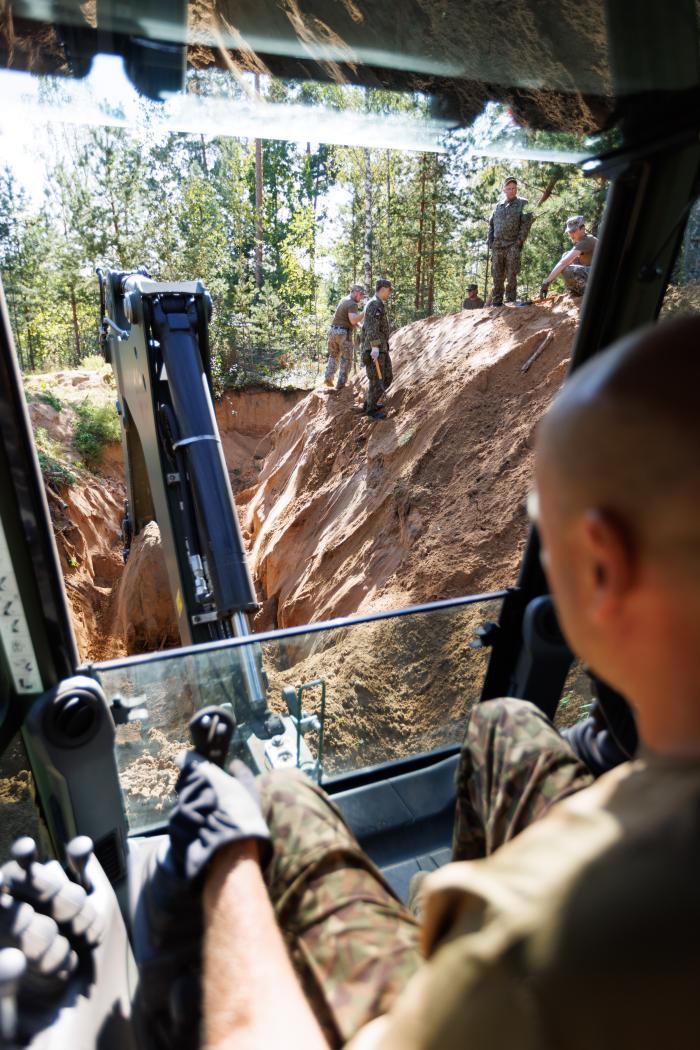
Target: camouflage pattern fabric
(509, 224)
(340, 357)
(505, 264)
(375, 328)
(374, 392)
(473, 304)
(513, 767)
(575, 277)
(352, 943)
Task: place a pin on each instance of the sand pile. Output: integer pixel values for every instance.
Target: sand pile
(352, 515)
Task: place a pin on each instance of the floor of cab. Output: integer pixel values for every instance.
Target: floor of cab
(405, 822)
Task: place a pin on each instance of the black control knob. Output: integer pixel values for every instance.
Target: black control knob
(78, 853)
(211, 730)
(12, 967)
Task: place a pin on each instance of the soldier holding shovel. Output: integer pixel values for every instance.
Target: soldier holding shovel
(375, 348)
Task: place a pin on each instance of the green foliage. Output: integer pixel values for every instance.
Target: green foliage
(48, 398)
(95, 363)
(55, 473)
(96, 426)
(184, 206)
(45, 397)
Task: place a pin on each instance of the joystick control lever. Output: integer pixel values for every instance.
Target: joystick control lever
(78, 853)
(211, 730)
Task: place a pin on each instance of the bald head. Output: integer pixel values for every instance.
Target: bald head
(623, 437)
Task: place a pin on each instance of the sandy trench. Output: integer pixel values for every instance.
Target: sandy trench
(344, 516)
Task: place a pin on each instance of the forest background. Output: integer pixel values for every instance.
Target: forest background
(277, 231)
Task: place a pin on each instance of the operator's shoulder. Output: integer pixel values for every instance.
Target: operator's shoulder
(522, 201)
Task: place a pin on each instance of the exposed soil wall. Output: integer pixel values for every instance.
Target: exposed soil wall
(351, 514)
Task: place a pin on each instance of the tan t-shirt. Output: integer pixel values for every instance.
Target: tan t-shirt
(345, 306)
(582, 933)
(586, 246)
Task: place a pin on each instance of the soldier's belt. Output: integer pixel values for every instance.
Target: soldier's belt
(337, 329)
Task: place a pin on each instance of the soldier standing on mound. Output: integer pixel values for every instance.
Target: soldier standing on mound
(347, 316)
(509, 226)
(375, 348)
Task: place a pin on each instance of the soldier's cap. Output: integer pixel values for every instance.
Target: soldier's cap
(574, 222)
(472, 287)
(510, 178)
(358, 288)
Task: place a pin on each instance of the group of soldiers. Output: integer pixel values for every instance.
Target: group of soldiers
(374, 344)
(509, 227)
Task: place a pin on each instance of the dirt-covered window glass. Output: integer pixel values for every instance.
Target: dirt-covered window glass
(683, 291)
(19, 811)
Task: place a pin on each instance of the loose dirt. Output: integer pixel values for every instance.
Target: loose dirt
(355, 515)
(343, 515)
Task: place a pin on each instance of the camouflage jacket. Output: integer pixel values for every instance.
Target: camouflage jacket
(375, 329)
(509, 223)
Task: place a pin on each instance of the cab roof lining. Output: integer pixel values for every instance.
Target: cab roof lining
(560, 65)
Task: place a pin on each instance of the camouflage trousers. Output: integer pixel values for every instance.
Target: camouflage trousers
(340, 357)
(575, 278)
(505, 267)
(513, 767)
(353, 945)
(374, 392)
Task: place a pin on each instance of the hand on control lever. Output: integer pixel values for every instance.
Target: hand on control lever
(213, 809)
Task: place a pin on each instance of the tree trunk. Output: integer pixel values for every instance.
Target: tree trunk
(387, 250)
(30, 345)
(431, 259)
(205, 164)
(421, 228)
(76, 328)
(368, 224)
(554, 178)
(258, 202)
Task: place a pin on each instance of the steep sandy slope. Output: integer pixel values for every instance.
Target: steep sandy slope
(351, 514)
(87, 514)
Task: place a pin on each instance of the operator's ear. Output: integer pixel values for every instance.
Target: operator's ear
(610, 563)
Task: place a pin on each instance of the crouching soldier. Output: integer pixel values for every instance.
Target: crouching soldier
(575, 264)
(347, 316)
(375, 348)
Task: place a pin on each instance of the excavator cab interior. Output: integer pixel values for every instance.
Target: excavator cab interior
(74, 736)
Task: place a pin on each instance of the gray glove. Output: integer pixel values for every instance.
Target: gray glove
(214, 809)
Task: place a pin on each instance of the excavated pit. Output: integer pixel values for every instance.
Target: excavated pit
(345, 515)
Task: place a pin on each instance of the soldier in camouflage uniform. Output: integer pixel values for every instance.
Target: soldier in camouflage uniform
(509, 226)
(352, 943)
(375, 348)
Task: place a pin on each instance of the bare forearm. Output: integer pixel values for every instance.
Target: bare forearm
(565, 260)
(252, 998)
